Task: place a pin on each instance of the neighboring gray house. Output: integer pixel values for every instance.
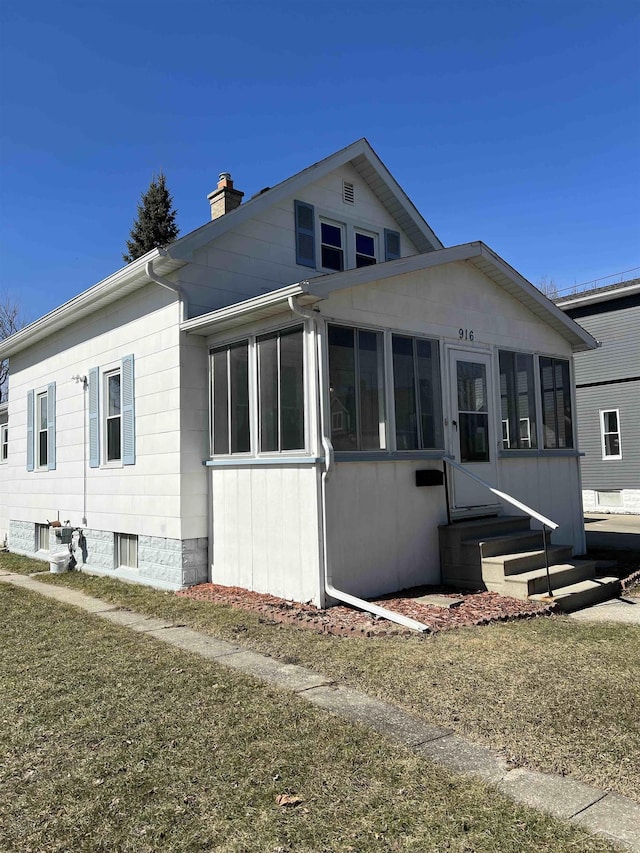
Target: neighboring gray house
(608, 395)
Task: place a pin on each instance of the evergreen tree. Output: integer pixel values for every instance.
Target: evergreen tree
(155, 226)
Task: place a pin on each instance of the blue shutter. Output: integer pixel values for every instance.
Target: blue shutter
(94, 418)
(51, 426)
(391, 245)
(305, 234)
(128, 412)
(30, 414)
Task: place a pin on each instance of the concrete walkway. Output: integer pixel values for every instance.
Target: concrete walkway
(616, 532)
(625, 609)
(600, 812)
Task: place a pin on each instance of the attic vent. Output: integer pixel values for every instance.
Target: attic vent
(348, 194)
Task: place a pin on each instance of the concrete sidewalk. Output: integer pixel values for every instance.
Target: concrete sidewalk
(613, 531)
(600, 812)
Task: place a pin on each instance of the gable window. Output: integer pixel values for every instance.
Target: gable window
(332, 246)
(281, 390)
(517, 401)
(365, 249)
(112, 435)
(305, 234)
(230, 398)
(4, 442)
(610, 434)
(41, 429)
(356, 389)
(391, 245)
(126, 551)
(417, 396)
(557, 418)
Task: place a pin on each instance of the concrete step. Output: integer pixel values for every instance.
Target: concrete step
(534, 582)
(523, 561)
(578, 595)
(506, 543)
(484, 528)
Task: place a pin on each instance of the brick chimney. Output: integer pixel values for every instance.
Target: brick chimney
(224, 199)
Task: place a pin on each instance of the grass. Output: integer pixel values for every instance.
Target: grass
(552, 693)
(113, 741)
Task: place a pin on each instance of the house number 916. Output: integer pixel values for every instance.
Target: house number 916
(465, 334)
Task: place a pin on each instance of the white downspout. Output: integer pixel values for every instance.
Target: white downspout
(329, 588)
(169, 285)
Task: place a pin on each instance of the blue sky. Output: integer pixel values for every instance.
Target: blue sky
(517, 123)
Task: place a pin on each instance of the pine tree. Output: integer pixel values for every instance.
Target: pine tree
(155, 226)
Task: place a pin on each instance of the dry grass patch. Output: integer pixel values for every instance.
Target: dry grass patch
(114, 741)
(552, 693)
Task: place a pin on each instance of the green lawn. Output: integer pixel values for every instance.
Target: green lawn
(113, 741)
(554, 694)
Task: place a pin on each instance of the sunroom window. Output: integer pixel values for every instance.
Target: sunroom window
(416, 388)
(281, 390)
(356, 389)
(557, 418)
(230, 373)
(517, 401)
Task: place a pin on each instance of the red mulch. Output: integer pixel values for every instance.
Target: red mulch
(477, 608)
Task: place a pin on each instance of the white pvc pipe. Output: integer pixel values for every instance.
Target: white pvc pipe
(329, 588)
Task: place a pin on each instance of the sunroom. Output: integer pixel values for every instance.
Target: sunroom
(335, 403)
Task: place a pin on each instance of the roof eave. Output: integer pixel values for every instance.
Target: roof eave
(114, 287)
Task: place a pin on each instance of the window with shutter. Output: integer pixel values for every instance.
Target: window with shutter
(305, 234)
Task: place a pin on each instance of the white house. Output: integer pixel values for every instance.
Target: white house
(268, 402)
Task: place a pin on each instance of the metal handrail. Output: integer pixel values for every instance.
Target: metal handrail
(546, 522)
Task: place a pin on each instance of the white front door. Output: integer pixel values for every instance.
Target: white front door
(472, 429)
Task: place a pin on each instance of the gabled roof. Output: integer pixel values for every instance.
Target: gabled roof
(316, 289)
(372, 170)
(599, 294)
(130, 278)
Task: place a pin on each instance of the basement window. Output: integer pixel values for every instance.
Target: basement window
(609, 498)
(42, 537)
(126, 550)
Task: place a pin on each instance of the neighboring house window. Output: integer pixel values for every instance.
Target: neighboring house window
(517, 401)
(41, 429)
(42, 537)
(126, 550)
(4, 442)
(230, 398)
(112, 433)
(416, 389)
(365, 249)
(332, 246)
(356, 389)
(557, 418)
(281, 390)
(610, 432)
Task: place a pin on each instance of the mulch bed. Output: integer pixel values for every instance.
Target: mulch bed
(477, 608)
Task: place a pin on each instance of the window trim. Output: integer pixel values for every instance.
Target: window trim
(4, 443)
(341, 226)
(40, 531)
(603, 434)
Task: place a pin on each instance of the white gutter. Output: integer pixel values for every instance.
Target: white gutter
(169, 285)
(329, 588)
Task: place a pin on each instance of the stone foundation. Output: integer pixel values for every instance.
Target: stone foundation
(170, 563)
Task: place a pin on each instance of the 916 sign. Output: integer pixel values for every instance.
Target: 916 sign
(465, 334)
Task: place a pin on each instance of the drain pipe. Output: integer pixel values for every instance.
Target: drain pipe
(329, 588)
(169, 285)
